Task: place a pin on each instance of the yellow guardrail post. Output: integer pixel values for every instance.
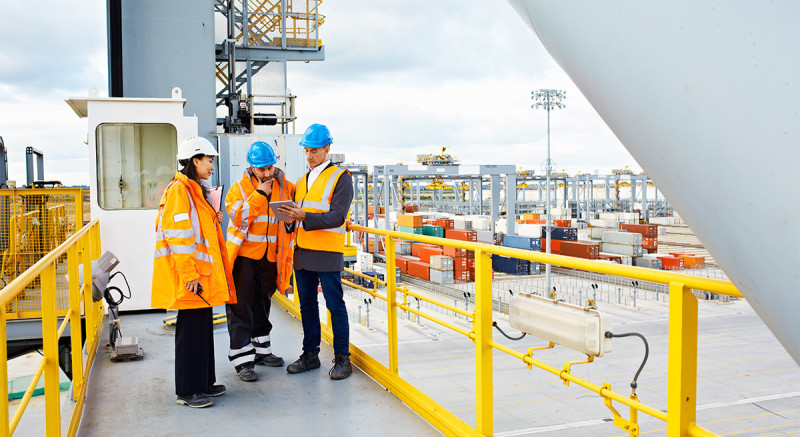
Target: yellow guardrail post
(391, 306)
(482, 326)
(75, 321)
(88, 304)
(682, 366)
(4, 430)
(50, 346)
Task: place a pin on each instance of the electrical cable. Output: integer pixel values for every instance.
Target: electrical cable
(126, 283)
(508, 336)
(610, 334)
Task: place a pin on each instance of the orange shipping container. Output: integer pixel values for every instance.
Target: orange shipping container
(563, 223)
(445, 223)
(402, 263)
(456, 234)
(556, 248)
(649, 243)
(534, 222)
(411, 221)
(671, 263)
(415, 247)
(425, 253)
(691, 261)
(454, 252)
(461, 263)
(419, 269)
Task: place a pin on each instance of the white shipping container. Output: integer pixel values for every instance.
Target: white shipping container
(584, 234)
(441, 262)
(622, 237)
(441, 277)
(402, 247)
(529, 230)
(627, 260)
(600, 223)
(621, 249)
(597, 233)
(480, 223)
(485, 237)
(647, 262)
(461, 224)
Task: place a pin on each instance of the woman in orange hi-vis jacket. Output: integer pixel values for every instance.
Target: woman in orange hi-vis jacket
(191, 271)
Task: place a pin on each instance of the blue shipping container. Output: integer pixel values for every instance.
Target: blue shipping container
(564, 234)
(520, 242)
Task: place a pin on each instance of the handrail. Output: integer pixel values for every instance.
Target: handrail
(80, 248)
(682, 364)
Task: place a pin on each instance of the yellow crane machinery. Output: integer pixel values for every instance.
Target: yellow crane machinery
(440, 159)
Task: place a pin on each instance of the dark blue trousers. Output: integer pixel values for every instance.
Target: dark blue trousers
(309, 309)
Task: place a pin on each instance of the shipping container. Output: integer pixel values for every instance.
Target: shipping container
(415, 247)
(651, 244)
(562, 223)
(456, 234)
(419, 269)
(613, 257)
(441, 276)
(511, 266)
(520, 242)
(409, 230)
(444, 223)
(454, 252)
(691, 261)
(433, 231)
(462, 224)
(566, 234)
(461, 263)
(441, 262)
(410, 221)
(649, 231)
(555, 248)
(626, 238)
(647, 262)
(580, 249)
(426, 252)
(671, 262)
(621, 249)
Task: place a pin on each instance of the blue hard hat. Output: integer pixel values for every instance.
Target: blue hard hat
(316, 136)
(261, 155)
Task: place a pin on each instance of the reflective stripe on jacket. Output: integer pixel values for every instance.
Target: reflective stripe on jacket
(189, 245)
(317, 199)
(252, 227)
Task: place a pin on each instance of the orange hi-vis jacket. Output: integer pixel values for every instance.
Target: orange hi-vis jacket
(317, 199)
(189, 245)
(253, 228)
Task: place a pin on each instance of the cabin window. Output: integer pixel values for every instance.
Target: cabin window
(135, 163)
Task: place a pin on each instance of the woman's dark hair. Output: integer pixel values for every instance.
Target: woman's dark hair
(190, 171)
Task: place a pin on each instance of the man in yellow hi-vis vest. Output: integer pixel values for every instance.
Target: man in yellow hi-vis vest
(323, 197)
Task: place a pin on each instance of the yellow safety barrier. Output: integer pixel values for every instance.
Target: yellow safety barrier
(682, 366)
(33, 222)
(80, 248)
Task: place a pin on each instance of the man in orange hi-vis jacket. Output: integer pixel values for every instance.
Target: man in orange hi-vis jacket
(261, 253)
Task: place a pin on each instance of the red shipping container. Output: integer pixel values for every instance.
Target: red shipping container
(457, 234)
(691, 261)
(402, 263)
(412, 208)
(649, 231)
(461, 263)
(472, 275)
(563, 223)
(426, 252)
(445, 223)
(608, 257)
(580, 249)
(471, 264)
(419, 269)
(454, 252)
(671, 263)
(649, 243)
(556, 248)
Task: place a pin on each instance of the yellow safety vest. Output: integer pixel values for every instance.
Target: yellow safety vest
(315, 200)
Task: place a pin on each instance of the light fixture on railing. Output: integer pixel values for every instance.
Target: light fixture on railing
(578, 328)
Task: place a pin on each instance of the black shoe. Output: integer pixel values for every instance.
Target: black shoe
(248, 375)
(307, 361)
(215, 390)
(341, 367)
(270, 360)
(195, 401)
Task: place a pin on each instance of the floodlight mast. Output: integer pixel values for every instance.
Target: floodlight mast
(549, 99)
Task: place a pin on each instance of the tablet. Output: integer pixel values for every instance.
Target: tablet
(274, 207)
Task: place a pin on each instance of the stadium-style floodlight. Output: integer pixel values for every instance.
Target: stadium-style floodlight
(548, 99)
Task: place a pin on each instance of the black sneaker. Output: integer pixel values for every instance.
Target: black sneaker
(215, 390)
(195, 401)
(341, 367)
(307, 361)
(270, 360)
(248, 375)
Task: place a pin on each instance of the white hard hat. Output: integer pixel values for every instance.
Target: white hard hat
(193, 146)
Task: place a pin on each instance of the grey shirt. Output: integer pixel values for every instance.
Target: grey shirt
(318, 260)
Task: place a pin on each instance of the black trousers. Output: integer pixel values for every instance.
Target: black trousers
(194, 352)
(248, 320)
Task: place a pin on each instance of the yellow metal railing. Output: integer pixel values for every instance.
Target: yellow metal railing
(80, 248)
(33, 222)
(682, 365)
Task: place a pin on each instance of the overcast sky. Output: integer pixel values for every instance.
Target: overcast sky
(400, 79)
